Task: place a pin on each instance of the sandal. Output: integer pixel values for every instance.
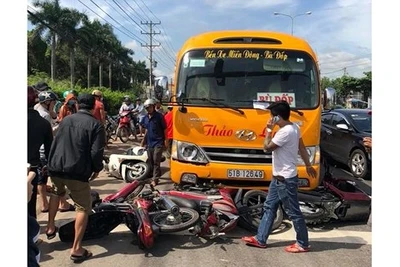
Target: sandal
(52, 235)
(71, 208)
(252, 241)
(45, 210)
(295, 248)
(81, 258)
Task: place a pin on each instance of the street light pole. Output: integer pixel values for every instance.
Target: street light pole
(292, 17)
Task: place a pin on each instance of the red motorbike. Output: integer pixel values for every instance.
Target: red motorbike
(146, 215)
(124, 129)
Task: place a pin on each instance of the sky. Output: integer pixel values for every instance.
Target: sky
(339, 31)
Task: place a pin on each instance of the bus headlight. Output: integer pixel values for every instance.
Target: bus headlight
(188, 152)
(313, 154)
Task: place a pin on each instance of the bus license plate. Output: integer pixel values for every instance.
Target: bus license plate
(246, 174)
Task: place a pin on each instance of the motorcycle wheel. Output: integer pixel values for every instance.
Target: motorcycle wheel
(141, 171)
(124, 134)
(168, 223)
(255, 199)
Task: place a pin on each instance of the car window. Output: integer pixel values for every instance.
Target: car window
(362, 121)
(337, 119)
(326, 119)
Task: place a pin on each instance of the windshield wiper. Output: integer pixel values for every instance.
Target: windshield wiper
(215, 101)
(270, 102)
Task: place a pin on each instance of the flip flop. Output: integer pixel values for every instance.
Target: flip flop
(252, 241)
(295, 248)
(52, 235)
(45, 210)
(71, 208)
(81, 258)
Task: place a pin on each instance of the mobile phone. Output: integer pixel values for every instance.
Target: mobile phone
(275, 119)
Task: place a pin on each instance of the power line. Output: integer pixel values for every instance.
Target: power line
(168, 43)
(138, 38)
(345, 68)
(126, 14)
(142, 10)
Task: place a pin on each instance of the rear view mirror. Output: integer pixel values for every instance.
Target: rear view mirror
(342, 126)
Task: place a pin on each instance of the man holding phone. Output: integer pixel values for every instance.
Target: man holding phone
(285, 146)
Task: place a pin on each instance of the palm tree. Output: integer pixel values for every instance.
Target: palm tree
(70, 20)
(48, 18)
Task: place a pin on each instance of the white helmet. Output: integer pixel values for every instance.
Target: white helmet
(149, 102)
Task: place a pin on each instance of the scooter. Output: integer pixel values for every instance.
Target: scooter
(131, 166)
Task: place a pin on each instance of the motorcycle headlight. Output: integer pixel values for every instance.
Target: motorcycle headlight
(189, 152)
(313, 154)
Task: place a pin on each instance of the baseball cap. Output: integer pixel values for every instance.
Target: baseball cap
(86, 101)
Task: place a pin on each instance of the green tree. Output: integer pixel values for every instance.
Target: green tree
(48, 19)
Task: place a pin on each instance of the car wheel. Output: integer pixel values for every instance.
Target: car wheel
(358, 163)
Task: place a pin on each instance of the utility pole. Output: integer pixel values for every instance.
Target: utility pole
(151, 33)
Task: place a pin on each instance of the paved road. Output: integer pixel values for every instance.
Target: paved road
(332, 244)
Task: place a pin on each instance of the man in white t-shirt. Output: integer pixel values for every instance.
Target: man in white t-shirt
(285, 146)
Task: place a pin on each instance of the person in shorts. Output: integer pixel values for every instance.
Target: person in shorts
(76, 157)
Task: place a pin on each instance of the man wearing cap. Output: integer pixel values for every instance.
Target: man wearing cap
(98, 111)
(154, 138)
(76, 156)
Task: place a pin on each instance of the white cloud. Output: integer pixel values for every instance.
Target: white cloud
(250, 4)
(335, 64)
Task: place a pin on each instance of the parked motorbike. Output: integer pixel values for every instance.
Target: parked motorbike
(146, 215)
(131, 166)
(124, 127)
(111, 127)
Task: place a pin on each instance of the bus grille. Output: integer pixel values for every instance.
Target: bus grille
(238, 155)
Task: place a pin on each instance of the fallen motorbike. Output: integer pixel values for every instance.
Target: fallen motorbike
(341, 199)
(146, 215)
(130, 166)
(221, 209)
(337, 198)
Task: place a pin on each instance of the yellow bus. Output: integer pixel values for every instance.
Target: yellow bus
(224, 81)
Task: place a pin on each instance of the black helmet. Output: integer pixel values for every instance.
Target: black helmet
(47, 96)
(42, 86)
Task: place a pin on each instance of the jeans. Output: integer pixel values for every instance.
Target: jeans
(285, 192)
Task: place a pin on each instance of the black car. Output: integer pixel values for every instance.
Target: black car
(342, 132)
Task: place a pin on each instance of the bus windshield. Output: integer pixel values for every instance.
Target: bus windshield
(239, 77)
